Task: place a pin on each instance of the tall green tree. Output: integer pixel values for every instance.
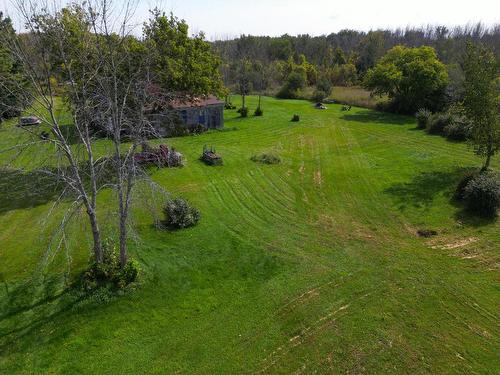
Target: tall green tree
(181, 63)
(11, 78)
(244, 80)
(413, 78)
(482, 100)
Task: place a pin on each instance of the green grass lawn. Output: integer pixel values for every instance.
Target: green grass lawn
(312, 265)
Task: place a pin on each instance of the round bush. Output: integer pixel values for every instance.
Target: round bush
(438, 122)
(482, 194)
(269, 158)
(457, 130)
(295, 118)
(179, 214)
(318, 96)
(422, 117)
(109, 273)
(462, 184)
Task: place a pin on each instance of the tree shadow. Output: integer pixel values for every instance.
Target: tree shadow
(27, 189)
(28, 307)
(421, 191)
(470, 219)
(70, 134)
(367, 116)
(20, 190)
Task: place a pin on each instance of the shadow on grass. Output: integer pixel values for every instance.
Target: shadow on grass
(27, 189)
(26, 308)
(20, 190)
(70, 133)
(422, 190)
(368, 116)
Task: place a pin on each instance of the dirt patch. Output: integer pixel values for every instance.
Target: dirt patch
(454, 244)
(325, 222)
(318, 180)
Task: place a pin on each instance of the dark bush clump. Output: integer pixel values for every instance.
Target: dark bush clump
(482, 194)
(438, 122)
(458, 130)
(258, 112)
(266, 158)
(318, 96)
(243, 111)
(291, 89)
(426, 233)
(462, 184)
(295, 118)
(179, 214)
(422, 117)
(109, 273)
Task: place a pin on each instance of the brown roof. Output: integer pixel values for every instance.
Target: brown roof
(198, 102)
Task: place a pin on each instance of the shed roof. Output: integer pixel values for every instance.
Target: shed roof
(197, 102)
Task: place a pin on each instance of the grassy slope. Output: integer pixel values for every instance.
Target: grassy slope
(308, 265)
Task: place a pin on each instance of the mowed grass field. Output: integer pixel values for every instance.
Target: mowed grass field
(309, 266)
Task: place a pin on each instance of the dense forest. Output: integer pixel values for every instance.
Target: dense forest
(342, 58)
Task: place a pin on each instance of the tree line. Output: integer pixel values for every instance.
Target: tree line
(343, 58)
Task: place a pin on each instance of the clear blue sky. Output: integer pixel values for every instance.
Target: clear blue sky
(228, 18)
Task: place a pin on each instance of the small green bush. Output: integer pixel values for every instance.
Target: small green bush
(458, 130)
(243, 111)
(482, 194)
(179, 214)
(109, 273)
(295, 118)
(422, 117)
(266, 158)
(291, 89)
(464, 181)
(259, 112)
(438, 122)
(287, 93)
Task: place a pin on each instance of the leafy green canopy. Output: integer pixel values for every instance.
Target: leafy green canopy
(482, 100)
(412, 77)
(11, 78)
(181, 63)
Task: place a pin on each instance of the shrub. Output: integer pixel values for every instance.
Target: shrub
(318, 96)
(109, 273)
(458, 130)
(258, 112)
(243, 111)
(294, 83)
(422, 117)
(438, 122)
(482, 194)
(266, 158)
(197, 129)
(462, 184)
(325, 86)
(179, 214)
(295, 118)
(287, 93)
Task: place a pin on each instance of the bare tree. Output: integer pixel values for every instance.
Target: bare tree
(102, 72)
